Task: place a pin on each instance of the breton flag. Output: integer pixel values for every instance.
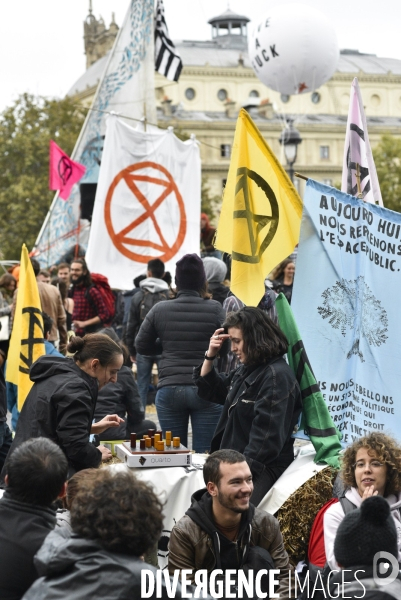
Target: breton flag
(63, 172)
(316, 421)
(261, 213)
(167, 60)
(27, 343)
(358, 154)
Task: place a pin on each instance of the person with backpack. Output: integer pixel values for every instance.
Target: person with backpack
(94, 301)
(365, 536)
(153, 289)
(180, 331)
(371, 466)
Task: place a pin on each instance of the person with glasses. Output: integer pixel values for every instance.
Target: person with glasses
(371, 466)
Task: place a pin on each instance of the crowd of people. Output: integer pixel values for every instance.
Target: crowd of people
(71, 529)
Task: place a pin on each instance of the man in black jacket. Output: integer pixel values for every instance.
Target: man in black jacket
(36, 475)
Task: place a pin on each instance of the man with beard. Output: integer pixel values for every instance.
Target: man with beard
(222, 530)
(90, 312)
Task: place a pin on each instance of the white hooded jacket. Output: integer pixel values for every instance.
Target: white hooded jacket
(335, 514)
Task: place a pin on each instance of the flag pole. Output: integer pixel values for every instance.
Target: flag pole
(358, 181)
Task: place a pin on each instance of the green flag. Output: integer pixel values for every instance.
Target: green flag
(316, 420)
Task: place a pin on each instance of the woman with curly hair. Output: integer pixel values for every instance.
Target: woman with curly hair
(371, 466)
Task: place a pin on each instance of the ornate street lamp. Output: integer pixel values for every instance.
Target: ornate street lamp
(290, 138)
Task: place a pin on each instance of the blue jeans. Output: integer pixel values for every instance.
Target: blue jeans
(144, 366)
(5, 442)
(175, 404)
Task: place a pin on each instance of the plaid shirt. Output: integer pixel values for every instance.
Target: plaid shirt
(85, 309)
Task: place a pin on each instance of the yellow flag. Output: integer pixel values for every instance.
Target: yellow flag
(26, 343)
(261, 213)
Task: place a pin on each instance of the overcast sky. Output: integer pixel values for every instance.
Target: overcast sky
(41, 41)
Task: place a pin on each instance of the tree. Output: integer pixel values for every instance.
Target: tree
(209, 203)
(387, 157)
(350, 304)
(26, 129)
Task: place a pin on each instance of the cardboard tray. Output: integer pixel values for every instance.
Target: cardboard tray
(150, 458)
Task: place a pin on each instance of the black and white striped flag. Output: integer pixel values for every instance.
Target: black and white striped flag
(167, 60)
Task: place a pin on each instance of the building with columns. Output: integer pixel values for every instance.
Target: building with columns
(217, 80)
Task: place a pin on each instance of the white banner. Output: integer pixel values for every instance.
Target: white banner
(358, 154)
(147, 203)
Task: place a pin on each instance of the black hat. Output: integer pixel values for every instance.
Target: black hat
(190, 273)
(364, 532)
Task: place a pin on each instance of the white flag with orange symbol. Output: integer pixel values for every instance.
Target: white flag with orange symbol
(147, 202)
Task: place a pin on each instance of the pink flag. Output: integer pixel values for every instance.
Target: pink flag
(63, 171)
(357, 151)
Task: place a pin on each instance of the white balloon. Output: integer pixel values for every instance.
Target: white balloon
(294, 49)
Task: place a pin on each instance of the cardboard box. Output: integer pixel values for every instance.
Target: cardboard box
(152, 458)
(111, 445)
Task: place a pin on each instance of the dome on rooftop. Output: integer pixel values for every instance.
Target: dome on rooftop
(228, 16)
(230, 29)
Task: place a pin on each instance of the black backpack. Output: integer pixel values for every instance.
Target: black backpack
(119, 304)
(149, 299)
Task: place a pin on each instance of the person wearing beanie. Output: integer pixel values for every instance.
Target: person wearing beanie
(371, 466)
(190, 273)
(216, 271)
(361, 535)
(364, 532)
(179, 330)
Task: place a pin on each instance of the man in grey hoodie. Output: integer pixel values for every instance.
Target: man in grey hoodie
(216, 271)
(153, 290)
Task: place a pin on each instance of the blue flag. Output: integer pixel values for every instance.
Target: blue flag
(346, 304)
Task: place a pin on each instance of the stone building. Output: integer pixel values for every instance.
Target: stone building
(217, 80)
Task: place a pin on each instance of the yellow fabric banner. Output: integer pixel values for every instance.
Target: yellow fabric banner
(261, 213)
(26, 343)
